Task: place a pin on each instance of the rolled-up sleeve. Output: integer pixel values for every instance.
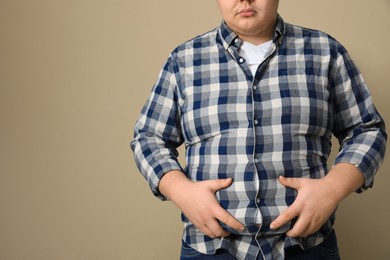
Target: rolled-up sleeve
(357, 124)
(157, 131)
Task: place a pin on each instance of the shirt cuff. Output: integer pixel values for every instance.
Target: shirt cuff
(365, 170)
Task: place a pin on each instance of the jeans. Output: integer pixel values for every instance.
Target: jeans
(327, 250)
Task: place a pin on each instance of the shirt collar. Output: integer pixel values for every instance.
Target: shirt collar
(229, 37)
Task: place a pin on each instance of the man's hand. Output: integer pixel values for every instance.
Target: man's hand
(198, 202)
(313, 206)
(317, 198)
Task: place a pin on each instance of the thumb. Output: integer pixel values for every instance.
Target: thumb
(294, 183)
(219, 184)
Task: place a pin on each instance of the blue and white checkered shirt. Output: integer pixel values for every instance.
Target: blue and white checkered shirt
(255, 128)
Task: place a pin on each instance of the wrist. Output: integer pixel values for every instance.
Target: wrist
(172, 182)
(344, 179)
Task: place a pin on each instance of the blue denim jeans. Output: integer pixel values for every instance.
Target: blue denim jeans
(327, 250)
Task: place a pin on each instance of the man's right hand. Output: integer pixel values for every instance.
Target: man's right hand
(198, 202)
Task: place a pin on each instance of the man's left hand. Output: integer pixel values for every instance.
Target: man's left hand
(315, 202)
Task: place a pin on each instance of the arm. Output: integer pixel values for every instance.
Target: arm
(157, 134)
(361, 133)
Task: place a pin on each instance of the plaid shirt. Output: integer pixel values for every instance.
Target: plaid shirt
(255, 128)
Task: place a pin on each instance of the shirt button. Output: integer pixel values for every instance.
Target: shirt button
(256, 122)
(254, 87)
(241, 60)
(256, 160)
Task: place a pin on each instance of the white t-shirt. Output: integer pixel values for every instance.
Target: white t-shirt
(254, 54)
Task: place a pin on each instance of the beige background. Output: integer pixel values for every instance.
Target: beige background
(73, 77)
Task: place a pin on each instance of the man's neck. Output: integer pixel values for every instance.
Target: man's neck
(259, 38)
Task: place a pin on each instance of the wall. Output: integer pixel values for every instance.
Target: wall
(73, 77)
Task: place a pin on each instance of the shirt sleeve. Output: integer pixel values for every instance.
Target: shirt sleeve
(357, 124)
(157, 131)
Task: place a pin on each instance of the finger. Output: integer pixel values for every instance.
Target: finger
(297, 230)
(216, 230)
(206, 230)
(202, 226)
(286, 216)
(294, 183)
(305, 226)
(224, 216)
(212, 228)
(301, 228)
(216, 185)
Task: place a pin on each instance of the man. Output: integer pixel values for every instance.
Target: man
(255, 102)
